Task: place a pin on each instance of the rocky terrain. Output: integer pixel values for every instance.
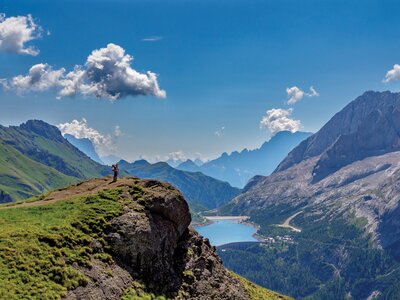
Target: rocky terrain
(129, 239)
(345, 181)
(351, 164)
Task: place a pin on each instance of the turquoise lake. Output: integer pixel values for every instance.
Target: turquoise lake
(227, 231)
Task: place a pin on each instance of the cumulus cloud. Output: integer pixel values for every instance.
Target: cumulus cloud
(220, 132)
(80, 129)
(15, 32)
(152, 39)
(278, 119)
(107, 74)
(393, 74)
(41, 77)
(295, 94)
(176, 156)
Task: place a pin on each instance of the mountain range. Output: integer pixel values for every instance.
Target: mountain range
(201, 191)
(35, 157)
(340, 189)
(85, 145)
(238, 167)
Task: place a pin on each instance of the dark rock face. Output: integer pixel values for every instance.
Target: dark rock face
(150, 235)
(152, 242)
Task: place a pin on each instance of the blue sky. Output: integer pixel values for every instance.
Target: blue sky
(221, 63)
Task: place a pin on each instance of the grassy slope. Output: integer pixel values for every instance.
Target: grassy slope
(36, 260)
(40, 244)
(21, 177)
(256, 292)
(43, 143)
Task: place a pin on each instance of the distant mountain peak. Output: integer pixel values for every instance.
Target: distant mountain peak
(366, 126)
(238, 167)
(42, 128)
(85, 145)
(141, 162)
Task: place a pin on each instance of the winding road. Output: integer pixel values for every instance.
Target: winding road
(286, 224)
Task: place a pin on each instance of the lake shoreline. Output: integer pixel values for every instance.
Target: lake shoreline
(244, 220)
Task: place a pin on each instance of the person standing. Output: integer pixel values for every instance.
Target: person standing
(115, 170)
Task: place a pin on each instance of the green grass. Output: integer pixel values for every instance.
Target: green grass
(256, 292)
(43, 143)
(39, 245)
(21, 177)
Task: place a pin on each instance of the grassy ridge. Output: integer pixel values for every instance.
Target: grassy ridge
(21, 177)
(44, 143)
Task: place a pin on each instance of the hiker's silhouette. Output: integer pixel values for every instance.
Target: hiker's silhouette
(115, 170)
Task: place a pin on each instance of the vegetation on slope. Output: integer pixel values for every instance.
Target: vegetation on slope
(255, 292)
(44, 143)
(22, 177)
(39, 245)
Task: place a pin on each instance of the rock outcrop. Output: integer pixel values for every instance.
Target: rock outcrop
(152, 242)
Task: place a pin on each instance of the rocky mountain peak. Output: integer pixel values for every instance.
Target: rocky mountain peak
(43, 129)
(365, 119)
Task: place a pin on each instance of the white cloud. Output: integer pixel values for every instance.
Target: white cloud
(152, 39)
(107, 73)
(295, 94)
(393, 74)
(278, 119)
(220, 132)
(41, 77)
(15, 32)
(80, 129)
(176, 156)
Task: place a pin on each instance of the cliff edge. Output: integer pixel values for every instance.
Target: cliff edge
(100, 240)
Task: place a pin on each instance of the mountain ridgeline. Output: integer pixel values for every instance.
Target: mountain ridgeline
(36, 158)
(341, 187)
(200, 190)
(238, 167)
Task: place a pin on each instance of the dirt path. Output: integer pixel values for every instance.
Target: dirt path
(286, 224)
(89, 187)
